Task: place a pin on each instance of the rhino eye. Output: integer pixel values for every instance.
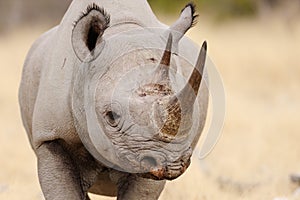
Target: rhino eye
(112, 118)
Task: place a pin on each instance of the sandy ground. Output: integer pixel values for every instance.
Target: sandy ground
(259, 61)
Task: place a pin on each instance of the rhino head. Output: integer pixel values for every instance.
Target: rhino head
(132, 110)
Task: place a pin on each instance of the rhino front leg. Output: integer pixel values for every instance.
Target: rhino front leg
(132, 187)
(58, 174)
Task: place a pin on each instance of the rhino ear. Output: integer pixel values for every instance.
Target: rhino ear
(87, 33)
(186, 20)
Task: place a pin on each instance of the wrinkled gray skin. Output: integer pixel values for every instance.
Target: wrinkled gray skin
(106, 112)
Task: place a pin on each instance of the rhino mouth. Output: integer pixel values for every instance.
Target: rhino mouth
(168, 170)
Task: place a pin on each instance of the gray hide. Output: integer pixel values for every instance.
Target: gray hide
(112, 101)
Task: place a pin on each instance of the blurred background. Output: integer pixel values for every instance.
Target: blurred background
(16, 12)
(255, 44)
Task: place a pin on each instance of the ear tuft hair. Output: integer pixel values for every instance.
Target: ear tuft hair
(92, 7)
(194, 15)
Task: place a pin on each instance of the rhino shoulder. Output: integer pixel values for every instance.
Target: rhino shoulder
(31, 78)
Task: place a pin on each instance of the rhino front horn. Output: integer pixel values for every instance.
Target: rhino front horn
(188, 94)
(178, 110)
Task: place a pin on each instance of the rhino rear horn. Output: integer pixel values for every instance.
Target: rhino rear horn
(161, 73)
(87, 32)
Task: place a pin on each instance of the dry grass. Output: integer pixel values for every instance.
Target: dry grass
(259, 148)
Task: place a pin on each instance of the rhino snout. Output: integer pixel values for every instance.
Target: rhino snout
(148, 162)
(157, 169)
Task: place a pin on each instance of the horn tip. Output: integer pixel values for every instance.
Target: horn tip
(204, 45)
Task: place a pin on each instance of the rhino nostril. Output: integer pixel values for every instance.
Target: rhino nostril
(148, 162)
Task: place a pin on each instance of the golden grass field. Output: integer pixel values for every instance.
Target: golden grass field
(259, 60)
